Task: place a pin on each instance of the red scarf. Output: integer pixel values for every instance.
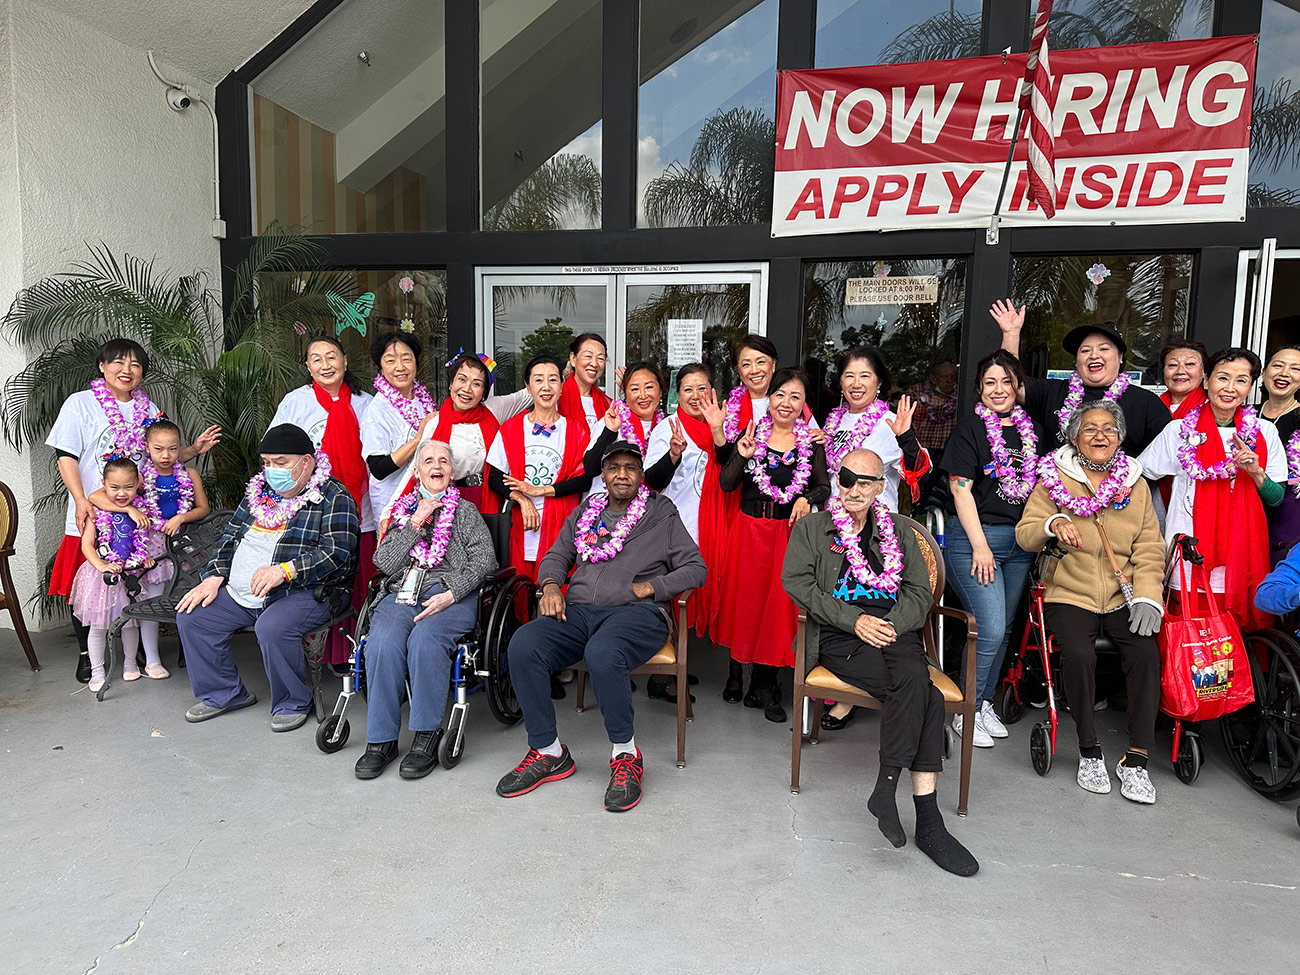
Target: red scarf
(342, 441)
(571, 402)
(1225, 512)
(555, 510)
(449, 416)
(716, 515)
(642, 432)
(1193, 399)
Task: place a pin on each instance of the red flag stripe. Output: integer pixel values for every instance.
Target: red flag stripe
(1037, 42)
(1040, 149)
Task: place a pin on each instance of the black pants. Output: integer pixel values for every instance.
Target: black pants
(1074, 630)
(911, 724)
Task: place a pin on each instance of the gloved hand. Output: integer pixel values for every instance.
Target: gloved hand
(1144, 619)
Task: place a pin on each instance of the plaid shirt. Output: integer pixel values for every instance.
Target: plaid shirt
(321, 541)
(936, 415)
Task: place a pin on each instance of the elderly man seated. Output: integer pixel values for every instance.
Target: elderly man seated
(859, 574)
(435, 554)
(295, 533)
(630, 555)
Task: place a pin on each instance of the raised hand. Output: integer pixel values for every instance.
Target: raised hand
(1008, 317)
(747, 445)
(206, 440)
(902, 421)
(713, 414)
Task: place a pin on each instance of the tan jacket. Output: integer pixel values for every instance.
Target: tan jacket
(1084, 577)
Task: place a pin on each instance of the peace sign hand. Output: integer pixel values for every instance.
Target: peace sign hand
(677, 444)
(747, 445)
(612, 418)
(902, 421)
(1244, 457)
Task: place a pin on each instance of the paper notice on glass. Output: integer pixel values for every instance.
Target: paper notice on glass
(685, 341)
(901, 290)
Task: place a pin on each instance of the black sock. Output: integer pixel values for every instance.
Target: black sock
(1090, 751)
(934, 840)
(1135, 759)
(884, 808)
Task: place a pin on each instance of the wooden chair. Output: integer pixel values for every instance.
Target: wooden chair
(8, 594)
(670, 661)
(818, 684)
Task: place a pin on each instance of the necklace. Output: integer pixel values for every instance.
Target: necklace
(413, 410)
(864, 425)
(803, 468)
(104, 542)
(1074, 398)
(1111, 491)
(270, 510)
(891, 554)
(129, 436)
(588, 539)
(1013, 488)
(1192, 438)
(627, 429)
(731, 425)
(429, 552)
(1293, 462)
(149, 496)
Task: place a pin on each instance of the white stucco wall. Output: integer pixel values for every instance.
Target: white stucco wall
(98, 156)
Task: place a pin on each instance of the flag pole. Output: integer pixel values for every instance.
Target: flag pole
(991, 235)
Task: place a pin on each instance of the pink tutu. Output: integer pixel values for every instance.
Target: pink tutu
(98, 604)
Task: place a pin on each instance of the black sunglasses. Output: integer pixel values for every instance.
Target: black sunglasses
(849, 478)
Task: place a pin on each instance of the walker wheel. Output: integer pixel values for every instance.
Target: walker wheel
(325, 737)
(1040, 747)
(1191, 753)
(1007, 706)
(452, 745)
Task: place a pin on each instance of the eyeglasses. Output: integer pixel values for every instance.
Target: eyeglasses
(849, 478)
(1110, 433)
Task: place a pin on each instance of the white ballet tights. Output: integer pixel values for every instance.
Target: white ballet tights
(132, 636)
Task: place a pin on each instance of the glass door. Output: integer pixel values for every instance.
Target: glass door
(1268, 299)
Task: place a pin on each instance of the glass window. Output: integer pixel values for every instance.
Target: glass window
(357, 305)
(541, 114)
(1097, 23)
(1146, 295)
(1275, 138)
(921, 30)
(531, 320)
(705, 124)
(915, 332)
(343, 144)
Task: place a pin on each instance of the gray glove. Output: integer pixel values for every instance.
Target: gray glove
(1144, 619)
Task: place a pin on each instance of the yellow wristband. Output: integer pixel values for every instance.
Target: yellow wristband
(288, 576)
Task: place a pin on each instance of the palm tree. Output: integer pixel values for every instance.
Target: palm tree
(563, 194)
(936, 38)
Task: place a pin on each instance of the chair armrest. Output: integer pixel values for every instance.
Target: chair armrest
(972, 635)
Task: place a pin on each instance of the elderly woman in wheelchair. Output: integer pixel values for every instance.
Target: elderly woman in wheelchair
(1092, 498)
(434, 556)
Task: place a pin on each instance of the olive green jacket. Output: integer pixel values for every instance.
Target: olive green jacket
(811, 571)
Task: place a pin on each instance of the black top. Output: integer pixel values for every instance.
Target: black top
(1143, 410)
(738, 473)
(873, 602)
(1286, 424)
(967, 455)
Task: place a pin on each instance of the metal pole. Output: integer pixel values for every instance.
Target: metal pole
(991, 235)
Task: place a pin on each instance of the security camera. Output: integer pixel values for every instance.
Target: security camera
(177, 100)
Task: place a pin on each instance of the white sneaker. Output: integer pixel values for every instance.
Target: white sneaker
(979, 737)
(1135, 783)
(1093, 776)
(987, 719)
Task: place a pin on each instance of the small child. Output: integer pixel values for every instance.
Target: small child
(113, 545)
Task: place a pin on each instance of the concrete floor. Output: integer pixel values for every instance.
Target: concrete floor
(134, 842)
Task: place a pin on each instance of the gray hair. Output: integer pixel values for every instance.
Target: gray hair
(1075, 421)
(425, 444)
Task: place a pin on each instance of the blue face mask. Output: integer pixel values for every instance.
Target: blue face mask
(429, 495)
(279, 480)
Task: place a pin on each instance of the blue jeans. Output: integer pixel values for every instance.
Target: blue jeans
(994, 605)
(397, 646)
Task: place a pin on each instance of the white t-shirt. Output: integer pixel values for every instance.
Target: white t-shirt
(882, 442)
(383, 430)
(687, 485)
(255, 549)
(82, 429)
(543, 456)
(1161, 458)
(301, 408)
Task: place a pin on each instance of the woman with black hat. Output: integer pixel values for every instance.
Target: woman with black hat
(1098, 351)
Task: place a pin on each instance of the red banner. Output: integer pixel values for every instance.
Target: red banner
(1145, 133)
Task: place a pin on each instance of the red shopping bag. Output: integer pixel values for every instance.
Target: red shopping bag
(1204, 671)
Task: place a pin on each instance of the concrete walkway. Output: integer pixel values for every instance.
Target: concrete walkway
(134, 842)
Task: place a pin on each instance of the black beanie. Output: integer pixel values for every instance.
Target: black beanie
(286, 439)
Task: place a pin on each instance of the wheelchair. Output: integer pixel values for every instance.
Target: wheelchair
(1263, 738)
(480, 663)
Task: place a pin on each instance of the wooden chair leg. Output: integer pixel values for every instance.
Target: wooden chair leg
(683, 706)
(16, 614)
(796, 733)
(582, 686)
(815, 732)
(967, 751)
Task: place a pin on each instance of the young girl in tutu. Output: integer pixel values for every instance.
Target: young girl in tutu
(113, 545)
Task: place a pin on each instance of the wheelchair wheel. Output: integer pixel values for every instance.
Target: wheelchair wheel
(325, 737)
(502, 624)
(452, 744)
(1263, 738)
(1191, 753)
(1040, 747)
(1007, 706)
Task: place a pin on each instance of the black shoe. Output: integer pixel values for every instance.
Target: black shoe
(557, 689)
(423, 756)
(625, 776)
(535, 769)
(83, 668)
(732, 692)
(657, 688)
(377, 757)
(773, 710)
(832, 723)
(758, 696)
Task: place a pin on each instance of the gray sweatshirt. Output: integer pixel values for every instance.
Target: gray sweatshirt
(659, 551)
(468, 561)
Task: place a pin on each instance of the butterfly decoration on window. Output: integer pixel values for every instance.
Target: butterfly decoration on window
(350, 314)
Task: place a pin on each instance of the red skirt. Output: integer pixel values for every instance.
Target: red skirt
(756, 620)
(338, 648)
(66, 563)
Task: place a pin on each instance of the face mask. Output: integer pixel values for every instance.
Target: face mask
(429, 495)
(279, 480)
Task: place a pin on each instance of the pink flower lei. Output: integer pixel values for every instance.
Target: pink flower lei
(1192, 438)
(1293, 462)
(731, 425)
(891, 553)
(272, 511)
(1111, 491)
(802, 470)
(149, 493)
(590, 548)
(129, 436)
(1013, 488)
(429, 553)
(627, 429)
(865, 424)
(104, 542)
(1074, 398)
(413, 410)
